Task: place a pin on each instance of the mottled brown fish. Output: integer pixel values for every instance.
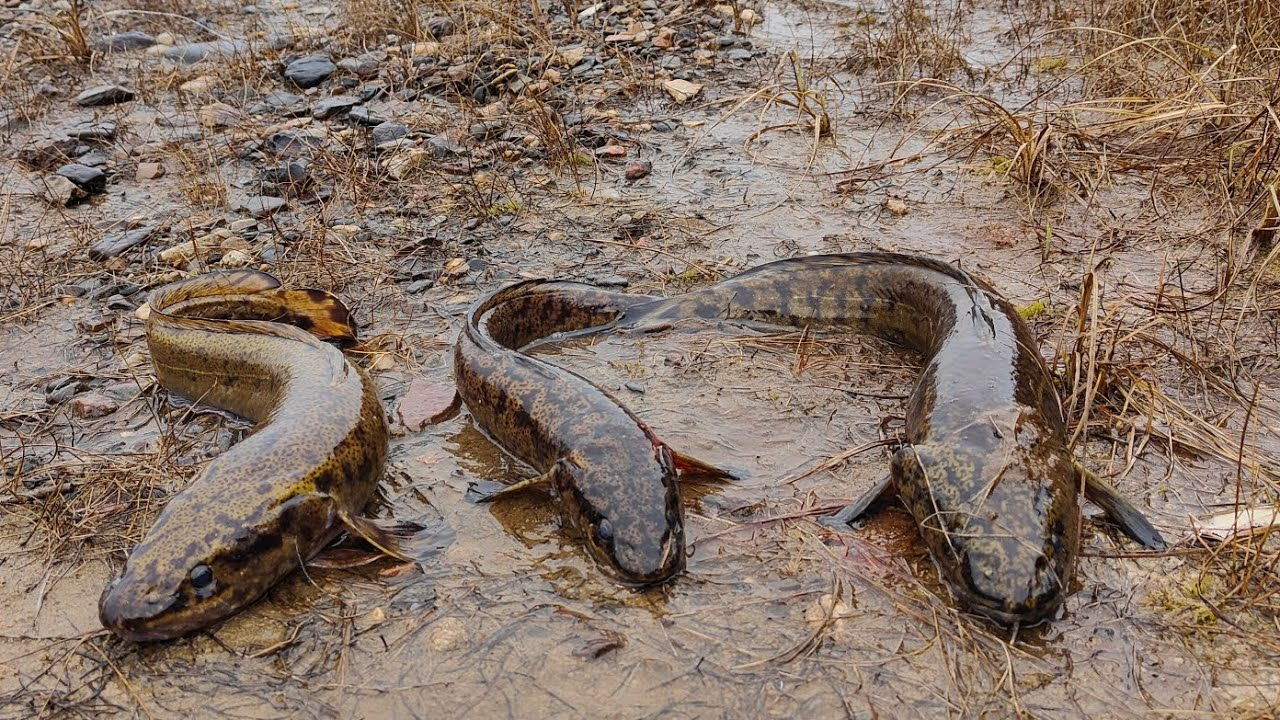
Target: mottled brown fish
(616, 481)
(262, 508)
(985, 469)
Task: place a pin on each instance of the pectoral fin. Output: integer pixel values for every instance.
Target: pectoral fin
(696, 470)
(487, 490)
(407, 541)
(882, 491)
(1120, 511)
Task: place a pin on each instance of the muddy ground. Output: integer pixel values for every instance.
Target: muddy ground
(1111, 171)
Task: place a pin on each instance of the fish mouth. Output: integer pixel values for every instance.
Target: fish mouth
(1025, 615)
(141, 621)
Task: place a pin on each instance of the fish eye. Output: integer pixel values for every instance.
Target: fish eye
(202, 580)
(604, 531)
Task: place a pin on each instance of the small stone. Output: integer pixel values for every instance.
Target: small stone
(387, 132)
(217, 115)
(681, 90)
(235, 259)
(418, 286)
(149, 171)
(638, 170)
(195, 52)
(262, 205)
(48, 154)
(198, 85)
(92, 405)
(364, 116)
(896, 206)
(61, 191)
(101, 131)
(403, 164)
(284, 102)
(116, 243)
(427, 403)
(242, 224)
(292, 144)
(132, 40)
(333, 105)
(634, 387)
(90, 179)
(448, 633)
(310, 71)
(738, 54)
(104, 95)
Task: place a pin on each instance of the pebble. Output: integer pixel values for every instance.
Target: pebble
(197, 85)
(92, 405)
(427, 403)
(638, 170)
(681, 90)
(90, 179)
(219, 114)
(59, 190)
(310, 71)
(242, 224)
(364, 116)
(292, 143)
(116, 243)
(195, 52)
(235, 259)
(283, 102)
(149, 171)
(262, 205)
(333, 105)
(104, 95)
(131, 40)
(634, 387)
(100, 131)
(387, 131)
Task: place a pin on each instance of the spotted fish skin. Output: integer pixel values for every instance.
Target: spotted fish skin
(985, 470)
(259, 510)
(616, 482)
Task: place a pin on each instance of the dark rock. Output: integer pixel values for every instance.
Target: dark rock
(634, 387)
(104, 95)
(487, 128)
(333, 105)
(363, 116)
(101, 131)
(270, 253)
(292, 144)
(310, 71)
(48, 154)
(440, 26)
(90, 179)
(387, 131)
(262, 205)
(418, 286)
(282, 102)
(61, 390)
(372, 91)
(195, 52)
(94, 158)
(132, 40)
(443, 146)
(288, 180)
(116, 243)
(738, 54)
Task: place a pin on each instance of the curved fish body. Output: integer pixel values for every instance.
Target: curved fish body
(615, 480)
(259, 510)
(985, 469)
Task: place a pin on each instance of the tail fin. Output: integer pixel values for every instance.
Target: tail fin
(253, 295)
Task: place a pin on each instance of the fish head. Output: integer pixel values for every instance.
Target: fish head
(1002, 528)
(636, 536)
(196, 567)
